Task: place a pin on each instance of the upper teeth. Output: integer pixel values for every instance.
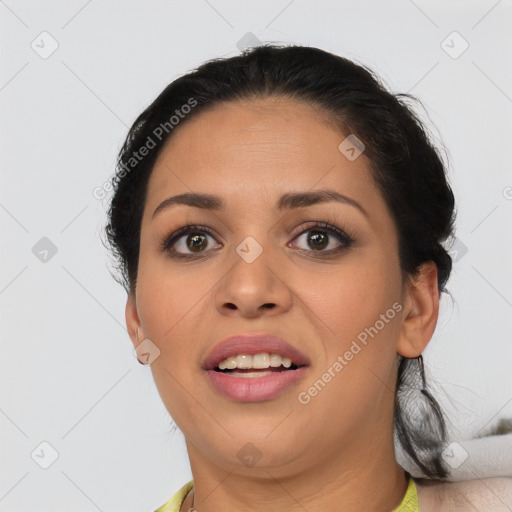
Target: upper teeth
(263, 360)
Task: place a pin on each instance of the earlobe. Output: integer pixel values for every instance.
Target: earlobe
(133, 323)
(421, 312)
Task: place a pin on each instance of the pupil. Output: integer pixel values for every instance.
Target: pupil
(316, 237)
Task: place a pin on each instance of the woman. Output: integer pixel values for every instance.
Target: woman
(278, 219)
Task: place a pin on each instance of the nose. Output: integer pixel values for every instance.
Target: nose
(253, 289)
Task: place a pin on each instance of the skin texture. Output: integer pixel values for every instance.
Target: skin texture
(336, 452)
(493, 494)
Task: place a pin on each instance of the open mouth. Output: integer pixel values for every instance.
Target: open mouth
(257, 365)
(254, 368)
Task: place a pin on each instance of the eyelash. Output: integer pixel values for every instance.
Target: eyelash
(346, 239)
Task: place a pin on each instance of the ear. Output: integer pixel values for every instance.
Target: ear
(132, 321)
(421, 310)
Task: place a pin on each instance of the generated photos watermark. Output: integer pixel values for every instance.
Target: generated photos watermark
(304, 397)
(158, 134)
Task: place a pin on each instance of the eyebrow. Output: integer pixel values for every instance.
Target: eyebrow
(288, 201)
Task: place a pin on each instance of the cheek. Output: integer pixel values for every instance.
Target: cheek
(171, 303)
(350, 297)
(170, 297)
(358, 352)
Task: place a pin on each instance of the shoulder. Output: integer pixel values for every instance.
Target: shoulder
(492, 494)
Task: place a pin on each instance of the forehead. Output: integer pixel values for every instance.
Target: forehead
(264, 146)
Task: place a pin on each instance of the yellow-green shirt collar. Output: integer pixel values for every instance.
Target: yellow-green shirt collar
(409, 503)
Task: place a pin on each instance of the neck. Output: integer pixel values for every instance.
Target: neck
(356, 478)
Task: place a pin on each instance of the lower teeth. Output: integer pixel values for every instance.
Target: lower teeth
(241, 371)
(249, 374)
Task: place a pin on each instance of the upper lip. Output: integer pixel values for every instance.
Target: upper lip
(251, 344)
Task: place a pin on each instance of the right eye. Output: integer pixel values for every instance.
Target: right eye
(187, 241)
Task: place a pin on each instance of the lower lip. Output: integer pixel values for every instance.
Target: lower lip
(254, 389)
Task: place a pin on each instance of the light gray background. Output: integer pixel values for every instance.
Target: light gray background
(67, 371)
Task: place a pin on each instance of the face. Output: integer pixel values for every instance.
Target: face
(324, 276)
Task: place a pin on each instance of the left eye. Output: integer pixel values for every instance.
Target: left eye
(320, 236)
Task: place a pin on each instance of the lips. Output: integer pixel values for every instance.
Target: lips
(255, 385)
(251, 344)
